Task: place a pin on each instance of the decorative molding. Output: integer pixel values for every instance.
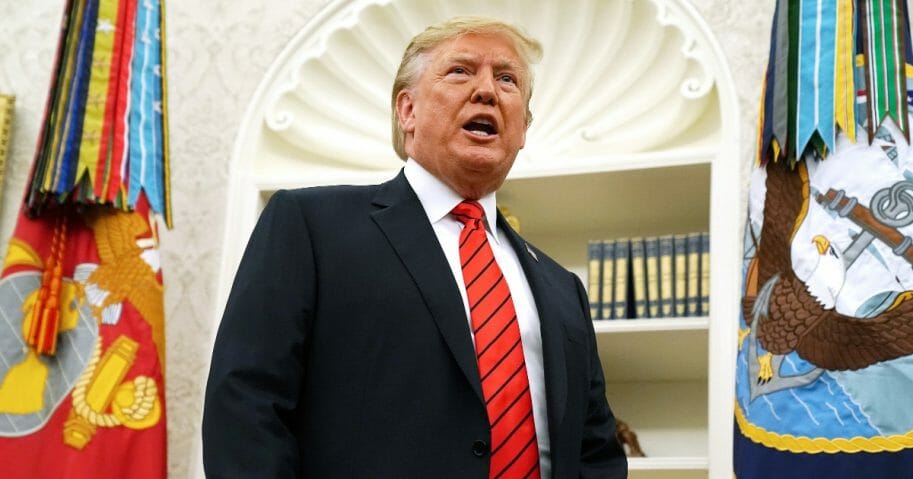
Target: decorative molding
(617, 78)
(670, 14)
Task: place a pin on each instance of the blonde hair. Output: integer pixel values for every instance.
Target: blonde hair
(415, 59)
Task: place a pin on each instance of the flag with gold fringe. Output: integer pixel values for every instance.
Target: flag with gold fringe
(825, 359)
(82, 338)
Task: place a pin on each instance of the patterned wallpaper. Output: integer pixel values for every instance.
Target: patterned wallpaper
(217, 51)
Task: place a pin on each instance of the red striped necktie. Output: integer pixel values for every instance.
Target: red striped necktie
(499, 352)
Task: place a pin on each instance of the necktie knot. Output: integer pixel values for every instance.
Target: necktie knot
(468, 211)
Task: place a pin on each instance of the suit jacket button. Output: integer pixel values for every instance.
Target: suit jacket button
(480, 448)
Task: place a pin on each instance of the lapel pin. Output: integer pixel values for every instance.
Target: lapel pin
(531, 253)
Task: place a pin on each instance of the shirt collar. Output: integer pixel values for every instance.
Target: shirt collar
(438, 199)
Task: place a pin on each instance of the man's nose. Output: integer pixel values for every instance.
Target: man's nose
(485, 91)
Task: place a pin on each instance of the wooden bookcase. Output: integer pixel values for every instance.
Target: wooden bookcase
(656, 370)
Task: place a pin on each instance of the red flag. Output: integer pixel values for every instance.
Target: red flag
(93, 406)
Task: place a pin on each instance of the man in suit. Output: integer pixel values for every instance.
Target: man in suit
(358, 341)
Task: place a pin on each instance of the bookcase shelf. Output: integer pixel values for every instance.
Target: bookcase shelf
(667, 463)
(560, 214)
(667, 474)
(611, 203)
(673, 349)
(669, 418)
(656, 370)
(684, 467)
(626, 326)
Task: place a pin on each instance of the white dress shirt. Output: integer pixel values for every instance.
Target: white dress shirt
(438, 200)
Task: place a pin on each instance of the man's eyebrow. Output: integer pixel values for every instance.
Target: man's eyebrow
(506, 64)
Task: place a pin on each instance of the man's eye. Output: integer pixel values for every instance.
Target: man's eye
(507, 78)
(458, 70)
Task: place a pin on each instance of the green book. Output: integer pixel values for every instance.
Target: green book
(622, 250)
(594, 280)
(639, 278)
(651, 259)
(705, 274)
(608, 279)
(693, 249)
(666, 275)
(680, 275)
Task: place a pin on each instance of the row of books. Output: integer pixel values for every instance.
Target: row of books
(649, 277)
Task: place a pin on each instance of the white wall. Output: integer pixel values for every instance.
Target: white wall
(217, 52)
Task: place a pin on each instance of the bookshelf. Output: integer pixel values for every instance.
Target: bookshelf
(656, 370)
(640, 140)
(561, 212)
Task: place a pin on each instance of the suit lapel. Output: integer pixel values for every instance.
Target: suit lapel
(406, 227)
(553, 335)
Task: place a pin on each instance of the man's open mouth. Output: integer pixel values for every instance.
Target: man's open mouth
(481, 127)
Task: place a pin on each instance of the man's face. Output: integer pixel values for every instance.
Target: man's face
(465, 116)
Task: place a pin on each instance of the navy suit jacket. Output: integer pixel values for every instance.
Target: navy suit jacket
(344, 351)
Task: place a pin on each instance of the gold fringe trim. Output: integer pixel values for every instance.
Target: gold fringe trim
(815, 445)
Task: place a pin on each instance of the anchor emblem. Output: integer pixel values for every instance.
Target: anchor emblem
(891, 208)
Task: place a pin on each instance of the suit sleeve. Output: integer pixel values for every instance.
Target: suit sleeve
(601, 456)
(258, 358)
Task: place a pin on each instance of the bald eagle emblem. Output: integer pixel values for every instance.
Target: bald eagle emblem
(792, 309)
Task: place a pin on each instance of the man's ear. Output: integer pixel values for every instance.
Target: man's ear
(405, 111)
